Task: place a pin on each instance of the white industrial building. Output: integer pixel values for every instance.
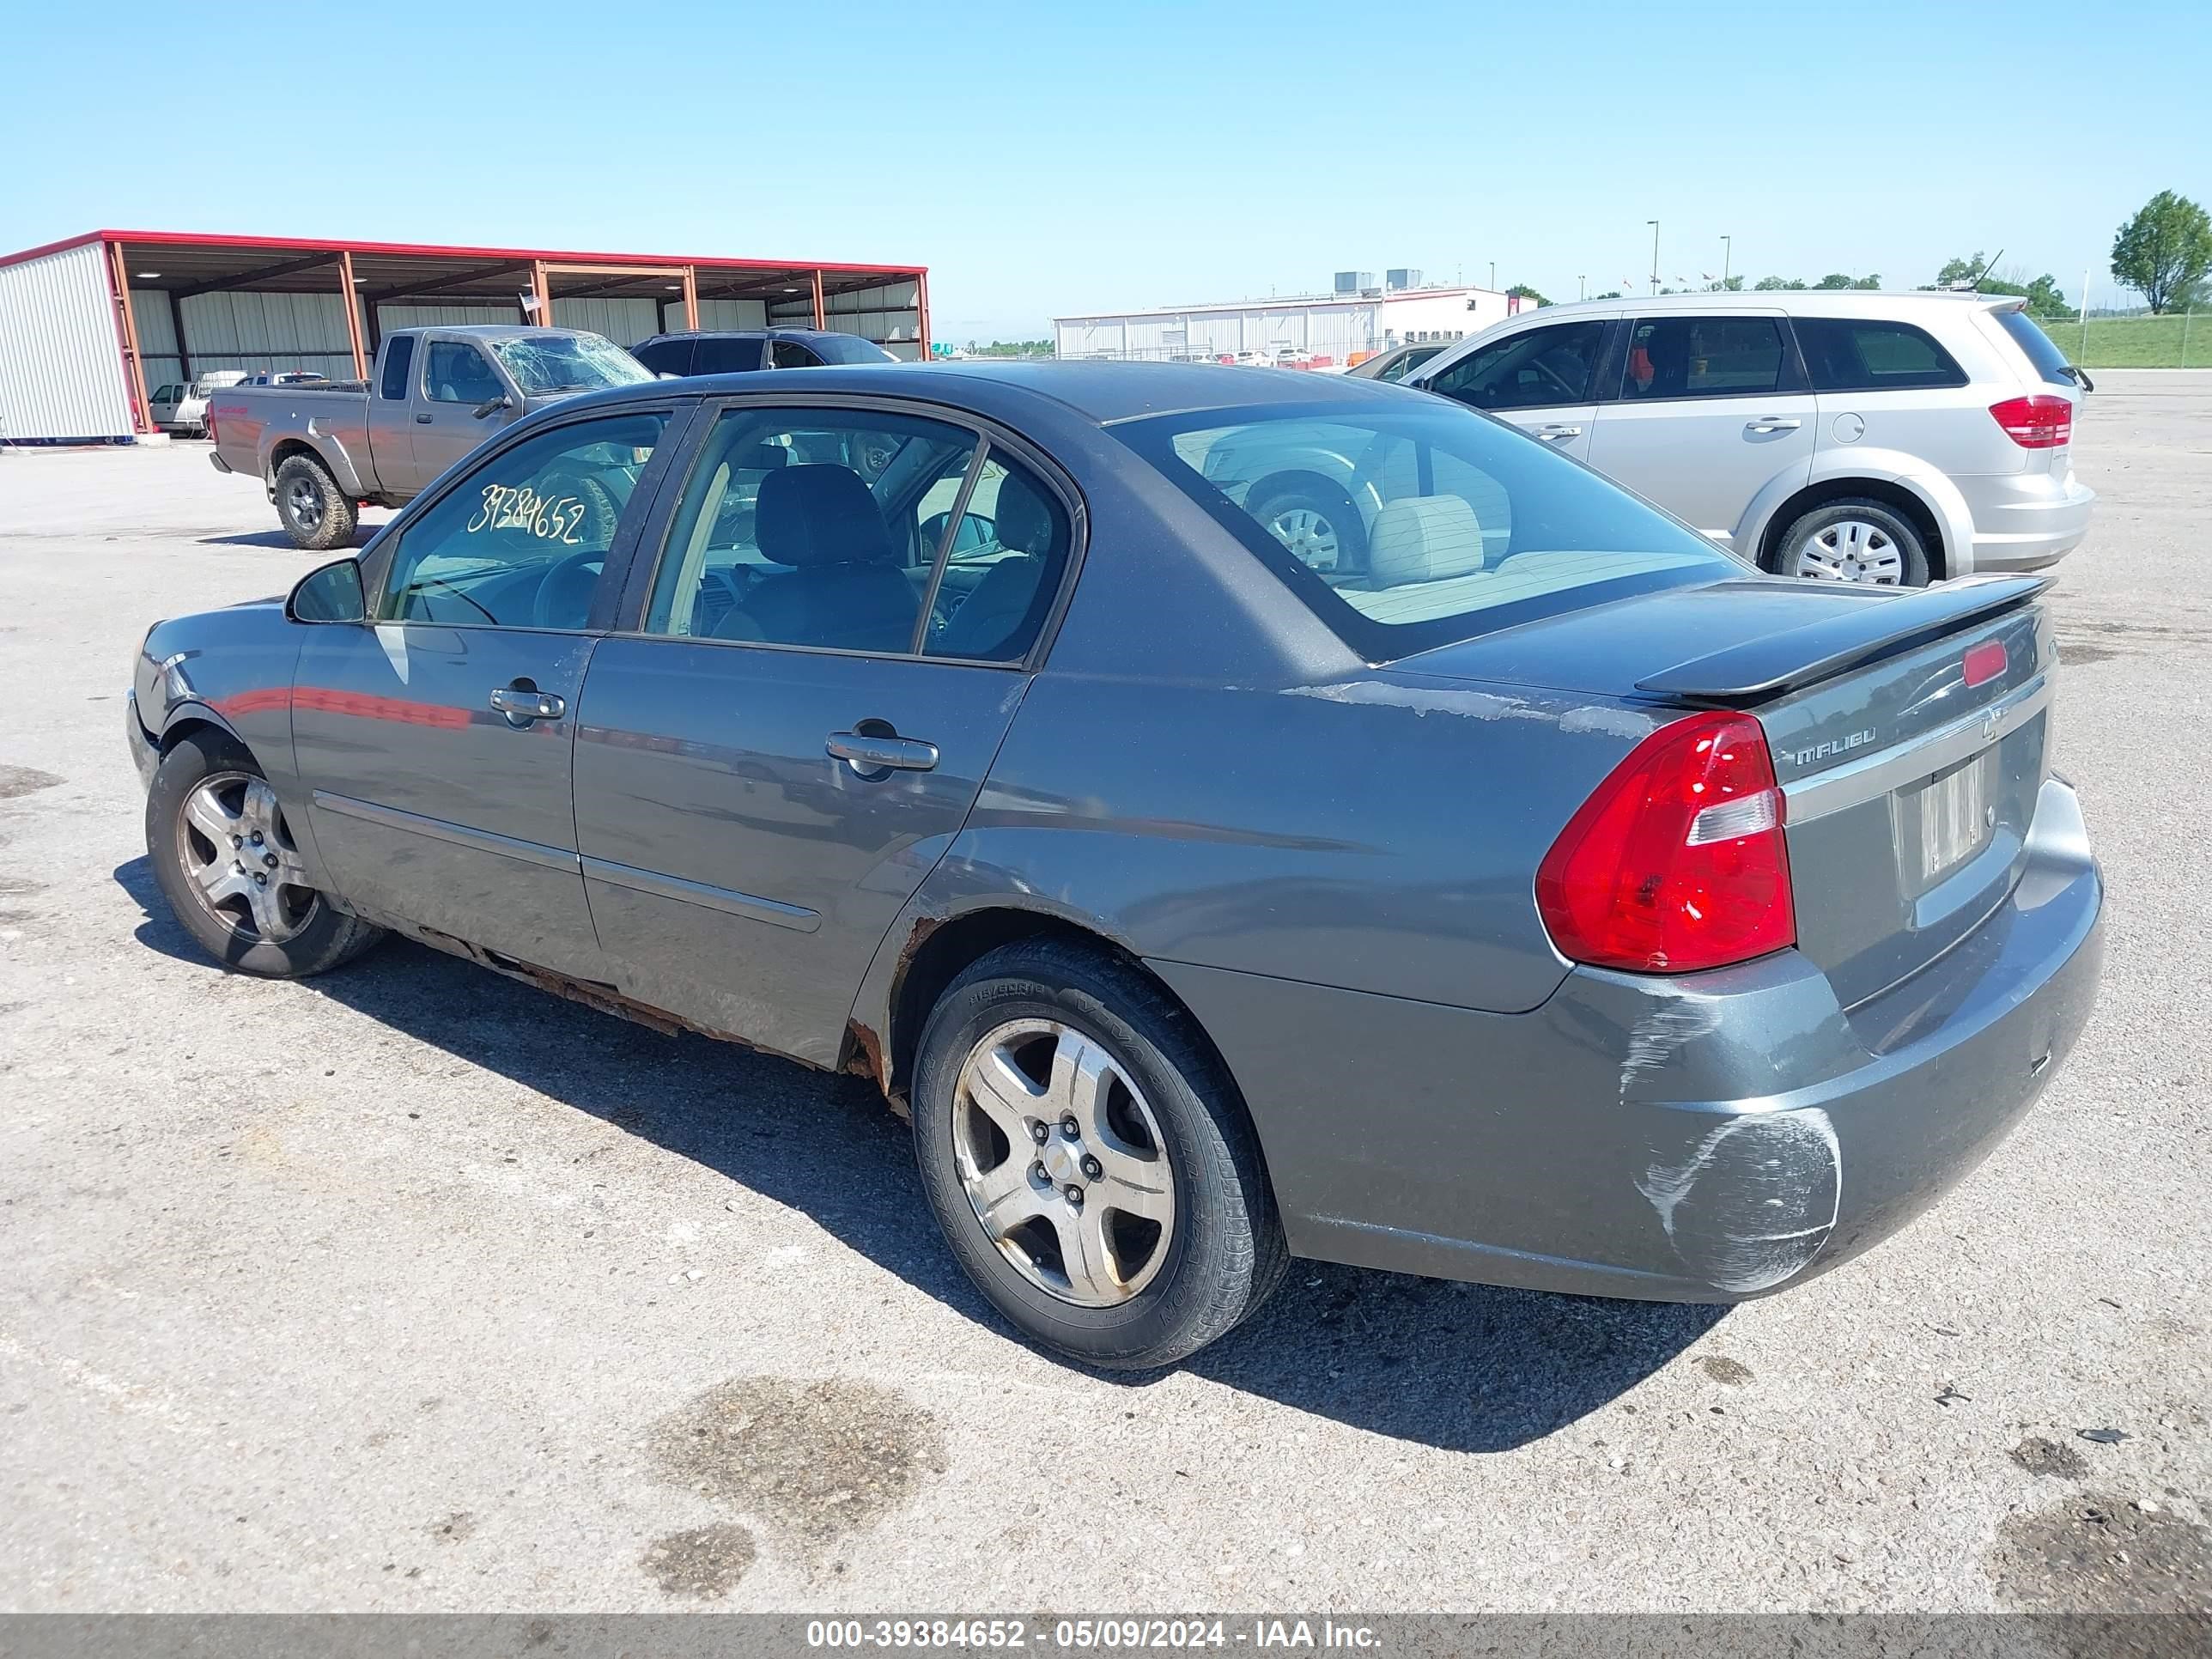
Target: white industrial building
(89, 325)
(1358, 318)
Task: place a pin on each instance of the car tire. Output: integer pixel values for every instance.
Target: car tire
(1309, 516)
(1208, 1252)
(209, 782)
(316, 514)
(1853, 540)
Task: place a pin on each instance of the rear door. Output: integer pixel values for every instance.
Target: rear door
(1542, 380)
(436, 740)
(800, 719)
(1703, 411)
(458, 379)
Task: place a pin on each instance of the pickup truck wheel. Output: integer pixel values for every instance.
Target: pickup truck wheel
(1854, 541)
(1091, 1166)
(316, 514)
(225, 859)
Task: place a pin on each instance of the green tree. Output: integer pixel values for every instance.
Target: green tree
(2164, 251)
(1777, 284)
(1521, 290)
(1610, 293)
(1868, 283)
(1834, 279)
(1730, 285)
(1959, 271)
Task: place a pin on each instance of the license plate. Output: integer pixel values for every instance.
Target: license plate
(1954, 816)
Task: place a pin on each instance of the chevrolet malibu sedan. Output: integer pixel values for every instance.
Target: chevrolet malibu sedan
(1535, 893)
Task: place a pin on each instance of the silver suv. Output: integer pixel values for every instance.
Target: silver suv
(1888, 438)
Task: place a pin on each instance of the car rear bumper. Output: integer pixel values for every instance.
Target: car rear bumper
(216, 461)
(1704, 1139)
(2026, 521)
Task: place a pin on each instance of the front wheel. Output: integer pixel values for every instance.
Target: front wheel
(1089, 1165)
(1854, 541)
(224, 857)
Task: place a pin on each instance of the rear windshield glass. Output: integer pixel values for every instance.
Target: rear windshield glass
(2042, 351)
(1410, 526)
(567, 362)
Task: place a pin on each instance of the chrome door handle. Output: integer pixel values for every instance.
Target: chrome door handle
(866, 753)
(1773, 423)
(422, 420)
(1553, 434)
(521, 705)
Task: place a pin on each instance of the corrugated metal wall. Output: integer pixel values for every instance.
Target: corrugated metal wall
(61, 370)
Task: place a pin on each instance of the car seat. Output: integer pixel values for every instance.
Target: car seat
(844, 590)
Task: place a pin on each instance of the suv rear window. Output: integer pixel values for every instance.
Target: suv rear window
(1410, 528)
(1846, 355)
(2042, 351)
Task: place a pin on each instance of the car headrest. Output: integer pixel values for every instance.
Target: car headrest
(819, 514)
(1025, 520)
(1423, 539)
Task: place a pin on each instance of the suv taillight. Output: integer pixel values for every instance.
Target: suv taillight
(2041, 421)
(1678, 862)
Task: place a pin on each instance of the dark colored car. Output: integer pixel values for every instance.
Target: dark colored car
(740, 351)
(1533, 893)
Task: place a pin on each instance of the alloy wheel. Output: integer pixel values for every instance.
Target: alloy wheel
(1063, 1163)
(240, 860)
(304, 502)
(1310, 536)
(1851, 551)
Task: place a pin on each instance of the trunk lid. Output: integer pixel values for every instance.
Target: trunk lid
(1909, 729)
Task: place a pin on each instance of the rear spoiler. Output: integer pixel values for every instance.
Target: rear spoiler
(1764, 668)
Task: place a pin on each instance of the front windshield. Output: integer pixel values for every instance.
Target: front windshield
(1409, 524)
(567, 363)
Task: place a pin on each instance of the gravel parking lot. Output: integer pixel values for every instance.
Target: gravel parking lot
(410, 1288)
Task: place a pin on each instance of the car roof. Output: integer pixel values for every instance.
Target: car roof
(1099, 392)
(754, 334)
(1796, 302)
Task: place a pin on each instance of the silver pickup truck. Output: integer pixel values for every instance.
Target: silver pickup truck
(325, 450)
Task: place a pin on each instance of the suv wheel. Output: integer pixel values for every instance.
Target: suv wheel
(1854, 541)
(1092, 1168)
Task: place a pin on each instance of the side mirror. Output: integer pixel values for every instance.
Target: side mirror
(491, 406)
(332, 594)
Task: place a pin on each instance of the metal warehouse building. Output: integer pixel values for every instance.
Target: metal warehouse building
(1357, 318)
(87, 324)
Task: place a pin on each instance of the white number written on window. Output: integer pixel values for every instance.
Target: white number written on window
(518, 507)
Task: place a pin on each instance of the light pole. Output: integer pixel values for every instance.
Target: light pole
(1493, 276)
(1728, 250)
(1654, 223)
(1582, 288)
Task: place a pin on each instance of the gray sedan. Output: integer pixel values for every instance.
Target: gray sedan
(1533, 893)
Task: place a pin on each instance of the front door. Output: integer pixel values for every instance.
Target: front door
(769, 765)
(1542, 380)
(436, 740)
(1708, 412)
(457, 380)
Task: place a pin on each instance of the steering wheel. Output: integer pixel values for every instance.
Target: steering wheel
(564, 592)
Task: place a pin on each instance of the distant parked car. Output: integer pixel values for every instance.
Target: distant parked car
(180, 407)
(741, 351)
(284, 377)
(1396, 365)
(1894, 438)
(1543, 898)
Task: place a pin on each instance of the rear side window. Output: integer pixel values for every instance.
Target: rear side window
(1412, 528)
(665, 356)
(1702, 357)
(2042, 351)
(1846, 356)
(789, 354)
(399, 358)
(1529, 370)
(726, 357)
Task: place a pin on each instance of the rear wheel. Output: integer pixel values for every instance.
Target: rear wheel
(316, 514)
(225, 858)
(1854, 541)
(1320, 526)
(1092, 1168)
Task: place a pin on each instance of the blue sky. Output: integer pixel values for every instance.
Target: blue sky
(1049, 159)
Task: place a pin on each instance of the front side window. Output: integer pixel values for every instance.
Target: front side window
(399, 358)
(520, 543)
(457, 373)
(1702, 357)
(1843, 354)
(1445, 526)
(806, 527)
(1529, 370)
(666, 356)
(165, 394)
(567, 362)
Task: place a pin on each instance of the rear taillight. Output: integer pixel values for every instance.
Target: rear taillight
(207, 422)
(2041, 421)
(1984, 662)
(1678, 862)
